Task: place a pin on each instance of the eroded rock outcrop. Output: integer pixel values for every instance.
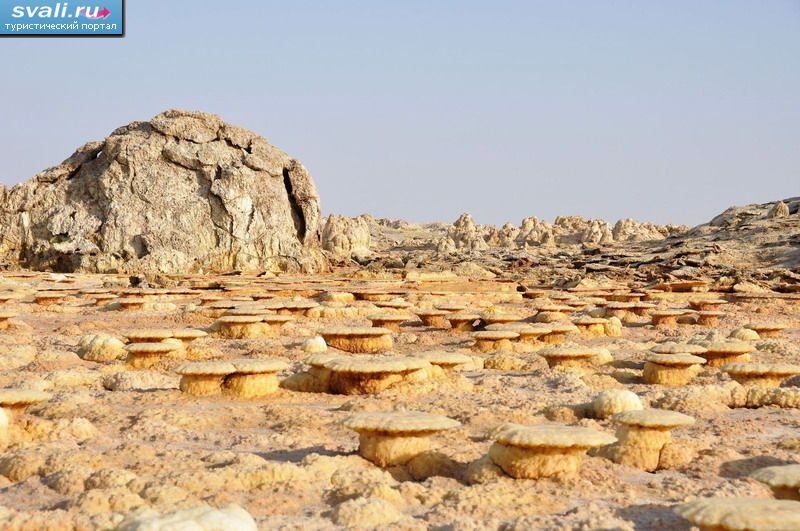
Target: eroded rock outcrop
(346, 237)
(184, 192)
(466, 235)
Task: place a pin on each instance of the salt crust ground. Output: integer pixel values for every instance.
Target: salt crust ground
(113, 441)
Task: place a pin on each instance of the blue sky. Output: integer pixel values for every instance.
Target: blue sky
(662, 111)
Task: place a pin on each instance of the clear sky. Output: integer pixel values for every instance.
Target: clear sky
(664, 111)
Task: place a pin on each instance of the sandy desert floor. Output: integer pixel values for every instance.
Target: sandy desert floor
(107, 443)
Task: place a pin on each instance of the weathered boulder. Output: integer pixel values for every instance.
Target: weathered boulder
(344, 237)
(628, 229)
(535, 232)
(182, 193)
(467, 235)
(779, 210)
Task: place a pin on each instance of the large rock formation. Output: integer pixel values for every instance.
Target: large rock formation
(345, 237)
(184, 192)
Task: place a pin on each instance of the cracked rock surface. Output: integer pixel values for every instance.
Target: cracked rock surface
(183, 192)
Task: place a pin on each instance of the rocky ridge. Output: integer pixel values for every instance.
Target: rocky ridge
(749, 246)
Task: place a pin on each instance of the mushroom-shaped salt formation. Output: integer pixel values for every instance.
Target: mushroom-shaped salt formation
(534, 294)
(784, 480)
(316, 379)
(180, 292)
(572, 356)
(148, 335)
(493, 340)
(274, 323)
(219, 308)
(463, 322)
(580, 304)
(451, 307)
(493, 316)
(612, 401)
(584, 302)
(204, 378)
(188, 335)
(90, 293)
(591, 326)
(665, 317)
(561, 297)
(148, 294)
(7, 296)
(642, 308)
(550, 317)
(14, 401)
(254, 310)
(337, 296)
(528, 333)
(446, 361)
(211, 298)
(389, 321)
(741, 514)
(46, 298)
(683, 286)
(673, 347)
(709, 317)
(702, 305)
(294, 307)
(556, 308)
(533, 452)
(131, 303)
(395, 438)
(367, 340)
(766, 329)
(434, 318)
(242, 327)
(632, 296)
(5, 317)
(396, 304)
(719, 353)
(642, 435)
(254, 326)
(318, 370)
(756, 297)
(145, 355)
(253, 378)
(103, 298)
(374, 295)
(533, 333)
(761, 374)
(372, 374)
(620, 310)
(671, 369)
(558, 333)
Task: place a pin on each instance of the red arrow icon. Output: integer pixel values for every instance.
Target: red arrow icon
(103, 13)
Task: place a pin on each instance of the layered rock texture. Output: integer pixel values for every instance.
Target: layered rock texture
(184, 192)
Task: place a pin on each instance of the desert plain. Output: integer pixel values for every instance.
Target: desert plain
(281, 370)
(109, 443)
